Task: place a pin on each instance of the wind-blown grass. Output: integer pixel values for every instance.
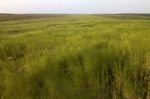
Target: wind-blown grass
(75, 57)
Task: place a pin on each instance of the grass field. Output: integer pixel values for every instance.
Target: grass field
(75, 57)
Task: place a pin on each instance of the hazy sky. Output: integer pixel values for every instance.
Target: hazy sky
(74, 6)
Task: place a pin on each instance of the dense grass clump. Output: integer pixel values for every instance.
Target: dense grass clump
(75, 57)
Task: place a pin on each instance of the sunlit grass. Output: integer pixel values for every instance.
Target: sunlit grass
(75, 57)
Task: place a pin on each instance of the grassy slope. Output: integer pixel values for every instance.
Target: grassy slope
(75, 57)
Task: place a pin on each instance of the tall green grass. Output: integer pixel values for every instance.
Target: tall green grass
(75, 57)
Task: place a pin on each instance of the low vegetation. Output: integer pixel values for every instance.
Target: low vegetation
(75, 57)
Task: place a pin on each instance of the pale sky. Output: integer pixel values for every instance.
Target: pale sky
(75, 6)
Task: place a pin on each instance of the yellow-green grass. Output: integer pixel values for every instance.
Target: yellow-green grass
(75, 57)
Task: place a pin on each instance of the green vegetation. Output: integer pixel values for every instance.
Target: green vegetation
(11, 17)
(75, 57)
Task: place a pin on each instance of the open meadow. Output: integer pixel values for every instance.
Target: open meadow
(75, 57)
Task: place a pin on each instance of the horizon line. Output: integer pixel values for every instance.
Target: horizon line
(72, 13)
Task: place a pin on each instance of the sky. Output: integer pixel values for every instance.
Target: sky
(75, 6)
